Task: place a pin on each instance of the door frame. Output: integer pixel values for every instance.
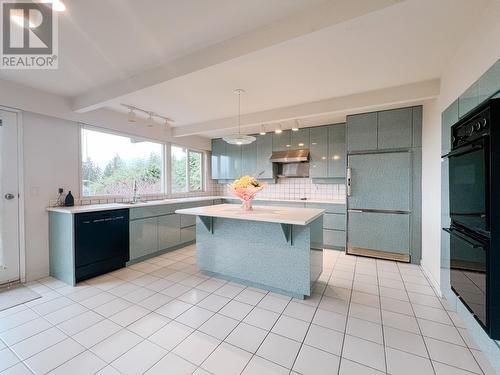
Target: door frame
(20, 169)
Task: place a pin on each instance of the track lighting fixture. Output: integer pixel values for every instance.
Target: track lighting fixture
(151, 116)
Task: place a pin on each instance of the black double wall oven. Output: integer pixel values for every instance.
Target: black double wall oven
(474, 182)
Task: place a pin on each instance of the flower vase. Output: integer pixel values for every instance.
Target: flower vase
(246, 205)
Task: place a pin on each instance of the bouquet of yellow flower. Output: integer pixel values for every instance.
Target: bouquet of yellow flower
(245, 188)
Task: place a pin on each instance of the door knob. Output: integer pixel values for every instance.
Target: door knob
(9, 196)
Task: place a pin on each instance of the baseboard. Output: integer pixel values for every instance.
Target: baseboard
(434, 284)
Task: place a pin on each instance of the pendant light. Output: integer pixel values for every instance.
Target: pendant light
(262, 130)
(278, 130)
(239, 139)
(131, 115)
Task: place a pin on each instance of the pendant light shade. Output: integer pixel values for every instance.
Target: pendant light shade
(239, 139)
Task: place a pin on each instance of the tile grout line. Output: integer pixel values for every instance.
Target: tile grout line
(381, 318)
(348, 311)
(418, 324)
(311, 322)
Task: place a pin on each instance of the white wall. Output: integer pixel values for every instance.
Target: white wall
(479, 51)
(50, 161)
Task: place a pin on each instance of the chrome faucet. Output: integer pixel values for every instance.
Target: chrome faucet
(135, 197)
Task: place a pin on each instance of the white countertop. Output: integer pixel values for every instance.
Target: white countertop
(270, 214)
(326, 201)
(117, 206)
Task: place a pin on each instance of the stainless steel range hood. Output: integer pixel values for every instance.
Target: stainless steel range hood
(291, 163)
(290, 156)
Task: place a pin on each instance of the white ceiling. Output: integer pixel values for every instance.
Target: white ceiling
(103, 41)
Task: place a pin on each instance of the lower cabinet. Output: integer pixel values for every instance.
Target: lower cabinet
(143, 237)
(369, 231)
(188, 234)
(333, 239)
(169, 231)
(158, 228)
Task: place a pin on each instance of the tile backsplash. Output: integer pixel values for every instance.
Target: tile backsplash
(294, 188)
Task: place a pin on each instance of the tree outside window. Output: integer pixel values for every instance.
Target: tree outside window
(112, 163)
(187, 170)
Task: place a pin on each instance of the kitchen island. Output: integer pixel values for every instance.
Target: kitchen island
(273, 248)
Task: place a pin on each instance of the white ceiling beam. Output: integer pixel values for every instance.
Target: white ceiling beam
(327, 14)
(370, 100)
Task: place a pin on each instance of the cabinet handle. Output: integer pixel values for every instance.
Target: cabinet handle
(349, 181)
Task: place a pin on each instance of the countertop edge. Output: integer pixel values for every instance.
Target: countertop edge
(191, 211)
(118, 206)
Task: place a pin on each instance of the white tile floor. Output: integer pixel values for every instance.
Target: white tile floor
(164, 317)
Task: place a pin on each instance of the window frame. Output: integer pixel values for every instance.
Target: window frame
(166, 180)
(189, 150)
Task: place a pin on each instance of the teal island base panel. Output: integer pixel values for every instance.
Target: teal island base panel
(271, 256)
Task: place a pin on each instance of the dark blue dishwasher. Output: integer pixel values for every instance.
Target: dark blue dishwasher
(101, 242)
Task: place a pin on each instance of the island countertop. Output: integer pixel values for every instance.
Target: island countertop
(275, 214)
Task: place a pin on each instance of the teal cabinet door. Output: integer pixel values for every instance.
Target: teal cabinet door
(334, 239)
(448, 118)
(417, 126)
(318, 147)
(169, 231)
(300, 139)
(379, 232)
(249, 159)
(233, 153)
(334, 221)
(188, 234)
(143, 237)
(468, 100)
(489, 83)
(264, 144)
(395, 128)
(282, 141)
(371, 191)
(337, 161)
(362, 132)
(218, 148)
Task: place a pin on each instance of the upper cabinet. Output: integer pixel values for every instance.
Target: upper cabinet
(249, 159)
(233, 155)
(218, 151)
(448, 118)
(318, 148)
(300, 139)
(336, 151)
(282, 141)
(326, 145)
(264, 149)
(385, 130)
(362, 132)
(395, 128)
(468, 100)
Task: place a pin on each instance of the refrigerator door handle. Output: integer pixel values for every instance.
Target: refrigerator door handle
(349, 181)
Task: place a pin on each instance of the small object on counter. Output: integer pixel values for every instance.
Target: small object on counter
(245, 188)
(60, 197)
(69, 201)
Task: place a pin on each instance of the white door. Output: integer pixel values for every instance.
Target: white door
(9, 198)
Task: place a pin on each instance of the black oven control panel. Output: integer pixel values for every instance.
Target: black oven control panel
(475, 128)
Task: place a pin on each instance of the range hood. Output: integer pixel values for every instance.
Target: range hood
(290, 156)
(291, 163)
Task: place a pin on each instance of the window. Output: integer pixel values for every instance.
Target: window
(187, 169)
(111, 163)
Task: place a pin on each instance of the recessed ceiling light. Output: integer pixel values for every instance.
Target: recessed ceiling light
(336, 157)
(301, 144)
(58, 5)
(131, 115)
(151, 121)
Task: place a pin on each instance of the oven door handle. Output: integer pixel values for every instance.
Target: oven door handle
(463, 150)
(466, 240)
